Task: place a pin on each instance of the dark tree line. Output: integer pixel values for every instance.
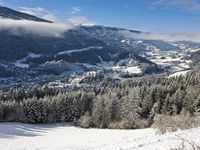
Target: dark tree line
(131, 104)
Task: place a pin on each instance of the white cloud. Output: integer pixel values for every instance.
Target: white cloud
(193, 5)
(195, 37)
(40, 12)
(3, 3)
(50, 17)
(80, 20)
(39, 28)
(75, 10)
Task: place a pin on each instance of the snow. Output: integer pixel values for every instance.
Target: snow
(21, 63)
(150, 53)
(3, 65)
(128, 69)
(184, 65)
(177, 74)
(80, 50)
(139, 42)
(104, 64)
(151, 48)
(167, 61)
(16, 136)
(57, 84)
(181, 46)
(195, 50)
(170, 60)
(133, 70)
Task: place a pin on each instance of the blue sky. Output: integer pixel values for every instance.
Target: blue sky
(173, 16)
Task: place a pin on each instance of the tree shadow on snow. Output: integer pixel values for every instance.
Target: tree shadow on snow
(11, 130)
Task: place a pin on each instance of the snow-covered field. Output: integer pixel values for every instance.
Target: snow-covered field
(16, 136)
(128, 69)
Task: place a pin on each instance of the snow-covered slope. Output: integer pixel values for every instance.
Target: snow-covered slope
(15, 136)
(21, 63)
(179, 73)
(80, 50)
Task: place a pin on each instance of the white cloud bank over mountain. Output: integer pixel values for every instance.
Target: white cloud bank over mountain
(194, 37)
(80, 20)
(40, 28)
(57, 30)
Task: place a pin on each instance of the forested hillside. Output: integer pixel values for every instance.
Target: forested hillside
(127, 105)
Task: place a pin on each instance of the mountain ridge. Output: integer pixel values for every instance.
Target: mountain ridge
(8, 13)
(82, 49)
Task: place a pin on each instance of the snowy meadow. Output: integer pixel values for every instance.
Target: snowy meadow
(65, 137)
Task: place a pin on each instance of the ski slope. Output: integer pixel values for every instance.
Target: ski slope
(80, 50)
(16, 136)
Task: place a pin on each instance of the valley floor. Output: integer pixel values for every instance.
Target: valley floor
(16, 136)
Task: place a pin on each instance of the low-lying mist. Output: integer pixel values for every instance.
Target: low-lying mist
(57, 29)
(193, 37)
(40, 28)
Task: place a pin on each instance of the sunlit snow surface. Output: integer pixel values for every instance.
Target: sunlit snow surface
(15, 136)
(80, 50)
(177, 74)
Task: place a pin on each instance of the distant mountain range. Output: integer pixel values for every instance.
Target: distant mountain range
(15, 47)
(88, 48)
